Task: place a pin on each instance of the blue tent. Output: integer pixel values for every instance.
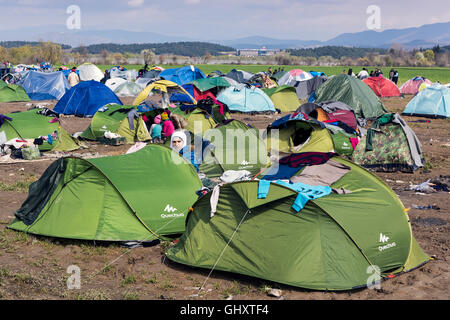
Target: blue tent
(44, 85)
(85, 99)
(244, 99)
(182, 75)
(433, 101)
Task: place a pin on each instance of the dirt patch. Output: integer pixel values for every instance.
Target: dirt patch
(33, 267)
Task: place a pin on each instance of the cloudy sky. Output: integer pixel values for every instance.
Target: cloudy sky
(225, 19)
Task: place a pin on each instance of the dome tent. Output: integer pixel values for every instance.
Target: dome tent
(244, 99)
(89, 71)
(382, 87)
(283, 97)
(97, 199)
(44, 85)
(390, 145)
(12, 93)
(85, 99)
(412, 85)
(115, 119)
(353, 92)
(31, 125)
(294, 75)
(433, 101)
(328, 245)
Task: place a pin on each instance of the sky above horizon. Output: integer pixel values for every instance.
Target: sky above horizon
(225, 19)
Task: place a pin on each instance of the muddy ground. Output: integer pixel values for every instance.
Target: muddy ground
(33, 267)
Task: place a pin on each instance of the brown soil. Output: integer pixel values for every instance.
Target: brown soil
(33, 267)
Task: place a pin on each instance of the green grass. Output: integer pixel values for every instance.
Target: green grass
(405, 73)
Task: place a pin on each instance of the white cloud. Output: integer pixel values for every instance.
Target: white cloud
(135, 3)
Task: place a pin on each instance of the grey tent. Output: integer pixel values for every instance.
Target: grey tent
(306, 88)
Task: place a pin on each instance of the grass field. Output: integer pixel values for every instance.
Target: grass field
(405, 73)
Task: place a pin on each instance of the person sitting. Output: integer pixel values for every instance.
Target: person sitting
(156, 130)
(178, 143)
(167, 126)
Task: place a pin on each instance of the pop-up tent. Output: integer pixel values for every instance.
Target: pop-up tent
(333, 242)
(182, 75)
(128, 89)
(12, 93)
(89, 71)
(114, 118)
(283, 97)
(138, 196)
(32, 125)
(293, 76)
(160, 93)
(382, 87)
(85, 99)
(433, 101)
(353, 92)
(44, 85)
(245, 99)
(412, 85)
(234, 146)
(389, 145)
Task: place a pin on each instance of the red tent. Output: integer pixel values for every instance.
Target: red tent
(382, 87)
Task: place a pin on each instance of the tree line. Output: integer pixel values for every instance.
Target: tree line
(189, 49)
(335, 52)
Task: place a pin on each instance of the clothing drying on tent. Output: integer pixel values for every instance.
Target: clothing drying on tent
(89, 71)
(139, 196)
(328, 244)
(159, 94)
(85, 99)
(244, 99)
(45, 85)
(283, 97)
(412, 85)
(47, 133)
(382, 87)
(390, 145)
(353, 92)
(122, 120)
(433, 101)
(12, 93)
(294, 75)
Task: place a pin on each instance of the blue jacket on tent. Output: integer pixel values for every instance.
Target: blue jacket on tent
(85, 99)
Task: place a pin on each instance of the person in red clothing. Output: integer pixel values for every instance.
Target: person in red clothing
(167, 125)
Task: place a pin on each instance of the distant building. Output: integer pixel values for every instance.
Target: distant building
(256, 52)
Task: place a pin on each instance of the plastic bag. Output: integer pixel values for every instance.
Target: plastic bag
(31, 153)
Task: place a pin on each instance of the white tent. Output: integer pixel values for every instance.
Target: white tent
(113, 83)
(89, 71)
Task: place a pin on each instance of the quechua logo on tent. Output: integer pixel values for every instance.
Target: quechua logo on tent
(171, 210)
(383, 239)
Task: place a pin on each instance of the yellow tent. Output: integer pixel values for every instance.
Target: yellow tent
(159, 88)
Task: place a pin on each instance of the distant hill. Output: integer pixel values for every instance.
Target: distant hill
(190, 49)
(14, 44)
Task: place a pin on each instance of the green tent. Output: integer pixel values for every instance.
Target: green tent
(330, 244)
(297, 135)
(115, 120)
(237, 147)
(353, 92)
(138, 196)
(283, 97)
(390, 145)
(206, 84)
(12, 93)
(31, 125)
